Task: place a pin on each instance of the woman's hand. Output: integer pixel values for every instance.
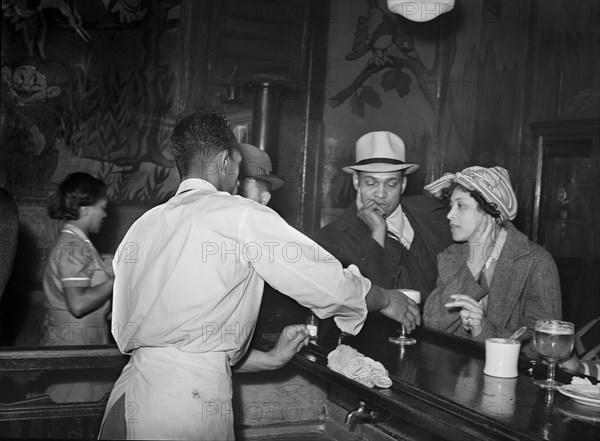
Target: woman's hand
(471, 313)
(480, 244)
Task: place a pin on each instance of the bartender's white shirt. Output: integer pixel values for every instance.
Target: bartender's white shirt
(189, 279)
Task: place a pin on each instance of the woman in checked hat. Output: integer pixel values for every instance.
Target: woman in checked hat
(493, 280)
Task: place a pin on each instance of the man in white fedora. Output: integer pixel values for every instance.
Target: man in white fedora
(393, 240)
(257, 180)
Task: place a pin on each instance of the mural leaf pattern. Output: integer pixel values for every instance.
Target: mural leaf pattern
(396, 80)
(110, 115)
(357, 105)
(392, 49)
(370, 97)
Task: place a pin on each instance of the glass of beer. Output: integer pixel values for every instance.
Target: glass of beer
(403, 339)
(553, 340)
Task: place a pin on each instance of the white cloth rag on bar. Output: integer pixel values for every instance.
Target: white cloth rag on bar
(354, 365)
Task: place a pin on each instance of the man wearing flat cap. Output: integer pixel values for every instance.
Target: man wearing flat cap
(393, 240)
(257, 180)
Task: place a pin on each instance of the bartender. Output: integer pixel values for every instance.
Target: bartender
(189, 279)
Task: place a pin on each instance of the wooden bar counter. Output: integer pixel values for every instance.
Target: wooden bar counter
(439, 391)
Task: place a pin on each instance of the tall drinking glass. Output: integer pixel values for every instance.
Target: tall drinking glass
(403, 339)
(553, 340)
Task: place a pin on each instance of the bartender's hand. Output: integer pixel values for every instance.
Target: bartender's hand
(393, 303)
(292, 339)
(402, 309)
(373, 214)
(471, 313)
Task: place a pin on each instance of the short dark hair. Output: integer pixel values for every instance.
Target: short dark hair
(487, 207)
(76, 191)
(198, 138)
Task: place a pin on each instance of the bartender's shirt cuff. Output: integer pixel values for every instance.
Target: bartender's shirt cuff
(353, 323)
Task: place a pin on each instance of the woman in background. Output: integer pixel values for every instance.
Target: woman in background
(493, 280)
(77, 282)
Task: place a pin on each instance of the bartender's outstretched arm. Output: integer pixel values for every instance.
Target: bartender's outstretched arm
(394, 304)
(292, 339)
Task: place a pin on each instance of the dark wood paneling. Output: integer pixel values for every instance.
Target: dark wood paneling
(258, 37)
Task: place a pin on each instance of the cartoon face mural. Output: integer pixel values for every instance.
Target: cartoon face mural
(79, 113)
(32, 113)
(28, 85)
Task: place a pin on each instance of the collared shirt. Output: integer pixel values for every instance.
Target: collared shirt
(400, 227)
(487, 273)
(190, 274)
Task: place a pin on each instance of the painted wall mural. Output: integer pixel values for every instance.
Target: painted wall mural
(89, 86)
(28, 18)
(388, 46)
(387, 73)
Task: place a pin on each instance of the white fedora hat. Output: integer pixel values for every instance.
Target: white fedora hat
(380, 152)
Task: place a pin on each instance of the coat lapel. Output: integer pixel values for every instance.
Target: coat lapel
(508, 277)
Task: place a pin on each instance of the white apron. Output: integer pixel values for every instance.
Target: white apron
(189, 280)
(191, 393)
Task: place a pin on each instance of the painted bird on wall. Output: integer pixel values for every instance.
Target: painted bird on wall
(376, 33)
